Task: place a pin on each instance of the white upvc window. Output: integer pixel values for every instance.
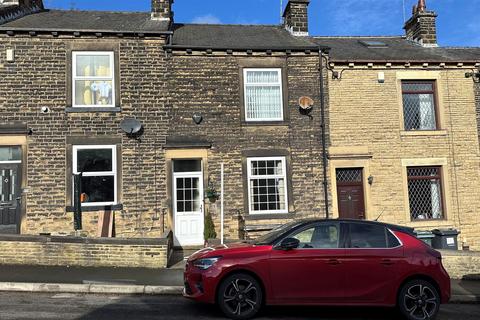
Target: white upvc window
(267, 185)
(93, 82)
(263, 94)
(98, 166)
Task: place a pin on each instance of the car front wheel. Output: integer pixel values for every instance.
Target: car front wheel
(419, 300)
(240, 296)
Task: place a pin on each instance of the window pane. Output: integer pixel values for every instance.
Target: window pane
(321, 236)
(93, 66)
(99, 189)
(367, 236)
(408, 86)
(419, 112)
(266, 76)
(425, 193)
(187, 166)
(10, 153)
(94, 160)
(270, 167)
(392, 240)
(263, 102)
(93, 93)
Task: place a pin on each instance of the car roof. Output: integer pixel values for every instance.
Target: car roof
(390, 226)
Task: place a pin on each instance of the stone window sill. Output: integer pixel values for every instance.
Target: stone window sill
(424, 133)
(92, 109)
(273, 216)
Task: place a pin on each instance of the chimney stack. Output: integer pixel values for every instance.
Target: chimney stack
(422, 27)
(295, 17)
(162, 10)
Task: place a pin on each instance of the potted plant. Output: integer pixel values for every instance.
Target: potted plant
(211, 193)
(209, 230)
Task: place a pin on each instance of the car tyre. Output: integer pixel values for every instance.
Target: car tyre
(419, 300)
(240, 296)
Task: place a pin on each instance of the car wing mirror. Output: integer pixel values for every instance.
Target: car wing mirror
(289, 244)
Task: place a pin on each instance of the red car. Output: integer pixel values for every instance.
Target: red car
(322, 262)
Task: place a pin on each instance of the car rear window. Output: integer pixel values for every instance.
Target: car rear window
(364, 235)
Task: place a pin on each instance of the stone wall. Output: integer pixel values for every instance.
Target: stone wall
(40, 77)
(210, 84)
(367, 131)
(81, 252)
(461, 264)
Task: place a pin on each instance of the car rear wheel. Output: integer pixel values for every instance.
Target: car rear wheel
(419, 300)
(240, 296)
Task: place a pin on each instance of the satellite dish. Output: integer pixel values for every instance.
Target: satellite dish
(131, 126)
(306, 103)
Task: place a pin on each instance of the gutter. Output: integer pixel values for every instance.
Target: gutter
(92, 31)
(223, 48)
(323, 127)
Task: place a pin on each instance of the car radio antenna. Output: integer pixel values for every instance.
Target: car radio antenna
(380, 214)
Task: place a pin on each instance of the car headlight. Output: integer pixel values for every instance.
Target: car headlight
(205, 263)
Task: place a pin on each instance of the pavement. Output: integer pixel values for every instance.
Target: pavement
(138, 281)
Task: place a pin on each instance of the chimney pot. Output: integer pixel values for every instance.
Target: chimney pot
(421, 27)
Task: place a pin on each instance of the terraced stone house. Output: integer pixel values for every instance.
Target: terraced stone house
(303, 126)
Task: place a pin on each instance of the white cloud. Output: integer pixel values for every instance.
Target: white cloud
(206, 19)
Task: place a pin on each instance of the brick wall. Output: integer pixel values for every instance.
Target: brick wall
(369, 118)
(66, 251)
(39, 78)
(477, 102)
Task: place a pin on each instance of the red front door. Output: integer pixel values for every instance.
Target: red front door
(312, 273)
(351, 204)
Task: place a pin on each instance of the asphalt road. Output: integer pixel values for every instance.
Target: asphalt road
(37, 306)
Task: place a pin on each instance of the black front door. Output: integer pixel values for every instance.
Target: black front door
(10, 180)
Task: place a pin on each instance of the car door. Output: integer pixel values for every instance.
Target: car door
(372, 262)
(312, 272)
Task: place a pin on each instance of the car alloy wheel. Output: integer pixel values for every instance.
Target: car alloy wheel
(240, 296)
(419, 300)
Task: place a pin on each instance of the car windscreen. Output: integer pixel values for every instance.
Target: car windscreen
(270, 237)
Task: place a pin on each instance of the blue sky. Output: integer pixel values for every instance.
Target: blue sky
(458, 21)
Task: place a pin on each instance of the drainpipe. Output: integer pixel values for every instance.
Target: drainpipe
(324, 135)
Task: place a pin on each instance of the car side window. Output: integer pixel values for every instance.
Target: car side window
(321, 236)
(365, 236)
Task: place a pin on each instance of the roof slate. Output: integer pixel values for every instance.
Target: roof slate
(73, 20)
(237, 37)
(398, 49)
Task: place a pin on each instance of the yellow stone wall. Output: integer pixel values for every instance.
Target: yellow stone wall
(366, 130)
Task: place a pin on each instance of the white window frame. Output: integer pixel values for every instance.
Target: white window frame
(75, 54)
(112, 173)
(245, 84)
(276, 176)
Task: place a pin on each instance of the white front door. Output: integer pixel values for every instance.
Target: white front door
(188, 203)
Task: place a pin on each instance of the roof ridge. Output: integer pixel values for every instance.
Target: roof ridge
(97, 11)
(358, 37)
(227, 24)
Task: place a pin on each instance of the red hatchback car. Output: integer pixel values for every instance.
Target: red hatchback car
(322, 262)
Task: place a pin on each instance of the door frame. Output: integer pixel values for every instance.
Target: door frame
(346, 163)
(196, 174)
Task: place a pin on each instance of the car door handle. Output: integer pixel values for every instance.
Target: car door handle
(387, 262)
(333, 262)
